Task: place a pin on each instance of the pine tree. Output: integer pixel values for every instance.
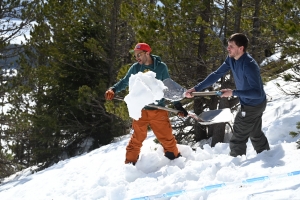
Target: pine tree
(65, 71)
(289, 23)
(15, 20)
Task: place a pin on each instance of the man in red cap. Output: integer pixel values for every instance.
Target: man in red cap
(156, 118)
(142, 46)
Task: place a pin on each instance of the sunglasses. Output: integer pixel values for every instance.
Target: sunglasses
(138, 55)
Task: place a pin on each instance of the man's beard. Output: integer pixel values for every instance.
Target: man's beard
(230, 55)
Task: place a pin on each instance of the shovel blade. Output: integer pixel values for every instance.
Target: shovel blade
(174, 91)
(214, 116)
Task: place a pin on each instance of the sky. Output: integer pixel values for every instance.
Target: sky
(200, 174)
(20, 37)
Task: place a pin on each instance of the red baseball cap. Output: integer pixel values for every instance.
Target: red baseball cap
(143, 47)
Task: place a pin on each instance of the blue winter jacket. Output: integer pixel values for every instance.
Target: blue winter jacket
(246, 73)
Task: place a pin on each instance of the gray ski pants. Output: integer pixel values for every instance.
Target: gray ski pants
(248, 123)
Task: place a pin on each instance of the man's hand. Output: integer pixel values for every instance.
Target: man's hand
(183, 112)
(109, 94)
(188, 93)
(226, 93)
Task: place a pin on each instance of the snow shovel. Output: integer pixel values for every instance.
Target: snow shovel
(155, 106)
(205, 118)
(175, 92)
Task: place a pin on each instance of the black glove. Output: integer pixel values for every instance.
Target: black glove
(183, 112)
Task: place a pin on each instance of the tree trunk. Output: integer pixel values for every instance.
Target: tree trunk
(200, 132)
(238, 13)
(112, 40)
(255, 49)
(217, 131)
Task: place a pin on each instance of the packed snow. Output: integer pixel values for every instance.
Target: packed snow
(208, 173)
(144, 89)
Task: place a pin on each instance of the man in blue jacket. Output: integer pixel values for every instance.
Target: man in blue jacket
(249, 90)
(157, 119)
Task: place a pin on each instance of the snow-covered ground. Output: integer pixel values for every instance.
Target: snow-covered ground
(208, 173)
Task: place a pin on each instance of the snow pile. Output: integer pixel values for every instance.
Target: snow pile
(144, 89)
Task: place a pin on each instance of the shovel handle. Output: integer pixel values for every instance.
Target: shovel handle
(218, 93)
(154, 106)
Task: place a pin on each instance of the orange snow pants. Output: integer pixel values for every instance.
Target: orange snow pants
(161, 127)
